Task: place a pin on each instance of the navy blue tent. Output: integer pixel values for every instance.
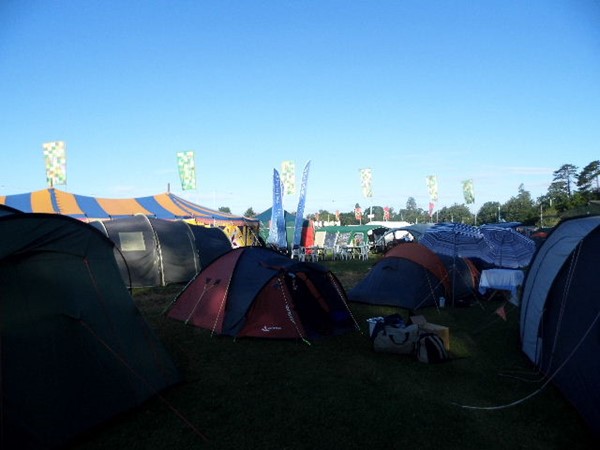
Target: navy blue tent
(464, 277)
(409, 276)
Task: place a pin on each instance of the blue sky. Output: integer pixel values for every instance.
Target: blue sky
(501, 92)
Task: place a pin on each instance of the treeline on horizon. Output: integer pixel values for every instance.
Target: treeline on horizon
(572, 192)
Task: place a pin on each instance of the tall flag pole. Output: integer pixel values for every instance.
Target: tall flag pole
(55, 156)
(187, 170)
(300, 211)
(432, 187)
(468, 191)
(277, 232)
(288, 177)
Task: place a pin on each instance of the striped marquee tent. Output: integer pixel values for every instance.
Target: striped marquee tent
(161, 206)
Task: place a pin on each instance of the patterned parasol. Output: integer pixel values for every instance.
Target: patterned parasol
(459, 240)
(510, 249)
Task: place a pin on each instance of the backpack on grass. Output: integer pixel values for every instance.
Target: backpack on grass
(430, 348)
(393, 320)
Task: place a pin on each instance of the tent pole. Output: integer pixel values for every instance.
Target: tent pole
(454, 266)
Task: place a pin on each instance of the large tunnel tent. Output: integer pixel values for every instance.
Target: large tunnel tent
(210, 243)
(156, 252)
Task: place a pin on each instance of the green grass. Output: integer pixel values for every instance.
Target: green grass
(337, 393)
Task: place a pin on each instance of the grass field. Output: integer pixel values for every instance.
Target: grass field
(337, 393)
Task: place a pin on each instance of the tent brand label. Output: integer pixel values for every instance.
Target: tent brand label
(268, 329)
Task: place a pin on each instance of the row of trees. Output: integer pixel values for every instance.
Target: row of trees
(572, 192)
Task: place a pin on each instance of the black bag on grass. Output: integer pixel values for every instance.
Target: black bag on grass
(430, 348)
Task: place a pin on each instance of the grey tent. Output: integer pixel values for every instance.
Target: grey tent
(158, 252)
(560, 313)
(210, 243)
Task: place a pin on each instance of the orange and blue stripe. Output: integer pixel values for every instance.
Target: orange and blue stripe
(161, 206)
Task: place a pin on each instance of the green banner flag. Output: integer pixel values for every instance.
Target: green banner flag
(55, 156)
(468, 191)
(288, 177)
(366, 178)
(187, 170)
(432, 187)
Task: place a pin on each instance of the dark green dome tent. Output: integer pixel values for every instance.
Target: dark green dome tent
(5, 210)
(75, 351)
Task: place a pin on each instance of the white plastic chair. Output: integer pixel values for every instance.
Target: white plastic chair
(341, 252)
(298, 253)
(364, 252)
(311, 255)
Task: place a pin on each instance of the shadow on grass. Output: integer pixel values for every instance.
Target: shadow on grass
(337, 393)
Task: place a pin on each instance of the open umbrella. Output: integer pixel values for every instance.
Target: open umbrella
(457, 240)
(509, 248)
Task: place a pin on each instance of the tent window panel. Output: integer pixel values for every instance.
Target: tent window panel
(132, 241)
(359, 239)
(329, 239)
(343, 238)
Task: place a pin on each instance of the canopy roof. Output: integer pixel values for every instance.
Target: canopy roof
(265, 217)
(161, 206)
